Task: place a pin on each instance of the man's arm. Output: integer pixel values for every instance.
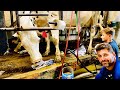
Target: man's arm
(98, 76)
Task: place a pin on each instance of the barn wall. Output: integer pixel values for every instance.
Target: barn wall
(8, 22)
(3, 38)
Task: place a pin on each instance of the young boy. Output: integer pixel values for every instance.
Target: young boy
(107, 36)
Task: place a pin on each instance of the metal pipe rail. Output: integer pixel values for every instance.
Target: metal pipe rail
(32, 29)
(33, 14)
(55, 23)
(18, 20)
(27, 29)
(70, 27)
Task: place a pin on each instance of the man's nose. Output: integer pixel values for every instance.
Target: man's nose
(102, 58)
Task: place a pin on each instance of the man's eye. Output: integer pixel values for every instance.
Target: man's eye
(99, 56)
(105, 55)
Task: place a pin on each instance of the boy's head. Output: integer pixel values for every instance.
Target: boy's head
(107, 34)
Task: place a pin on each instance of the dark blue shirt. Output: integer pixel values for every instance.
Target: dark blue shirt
(115, 47)
(106, 74)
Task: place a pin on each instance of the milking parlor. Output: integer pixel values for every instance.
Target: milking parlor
(57, 44)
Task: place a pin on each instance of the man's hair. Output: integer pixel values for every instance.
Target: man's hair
(101, 46)
(108, 30)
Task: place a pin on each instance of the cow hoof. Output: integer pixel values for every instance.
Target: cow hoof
(7, 53)
(57, 59)
(45, 54)
(15, 51)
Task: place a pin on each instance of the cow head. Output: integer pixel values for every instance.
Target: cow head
(29, 39)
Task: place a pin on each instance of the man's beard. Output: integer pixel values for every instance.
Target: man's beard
(109, 64)
(106, 63)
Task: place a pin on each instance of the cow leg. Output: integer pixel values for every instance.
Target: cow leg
(22, 52)
(17, 47)
(55, 40)
(92, 31)
(92, 34)
(47, 39)
(117, 30)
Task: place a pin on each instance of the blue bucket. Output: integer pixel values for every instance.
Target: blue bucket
(67, 73)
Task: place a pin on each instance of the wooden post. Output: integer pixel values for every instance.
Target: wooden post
(61, 15)
(106, 18)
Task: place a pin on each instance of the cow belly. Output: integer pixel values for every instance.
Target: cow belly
(84, 17)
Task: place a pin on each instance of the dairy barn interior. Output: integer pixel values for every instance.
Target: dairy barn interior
(65, 40)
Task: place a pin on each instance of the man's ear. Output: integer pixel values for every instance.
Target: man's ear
(110, 35)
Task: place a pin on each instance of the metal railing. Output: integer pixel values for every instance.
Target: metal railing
(18, 28)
